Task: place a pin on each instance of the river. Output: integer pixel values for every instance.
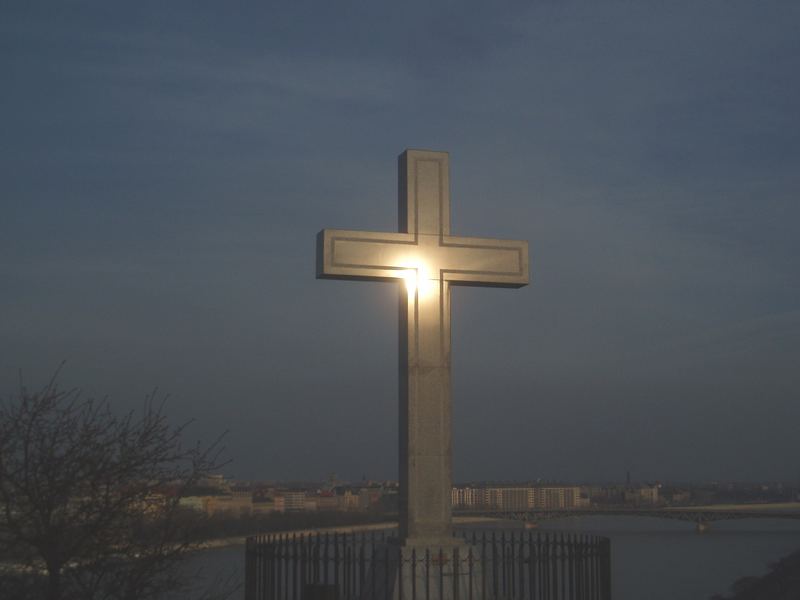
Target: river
(652, 559)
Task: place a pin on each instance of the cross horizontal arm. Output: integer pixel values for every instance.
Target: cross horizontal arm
(484, 261)
(343, 254)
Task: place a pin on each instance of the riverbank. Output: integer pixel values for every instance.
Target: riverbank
(239, 540)
(756, 507)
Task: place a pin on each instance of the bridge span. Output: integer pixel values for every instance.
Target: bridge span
(701, 517)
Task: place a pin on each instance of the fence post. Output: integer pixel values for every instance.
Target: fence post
(456, 558)
(605, 550)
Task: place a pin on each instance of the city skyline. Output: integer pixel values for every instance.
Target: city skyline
(169, 169)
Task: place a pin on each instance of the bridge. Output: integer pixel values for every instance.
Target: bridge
(700, 516)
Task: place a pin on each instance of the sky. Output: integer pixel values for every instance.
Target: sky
(166, 166)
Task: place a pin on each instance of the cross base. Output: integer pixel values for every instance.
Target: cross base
(446, 570)
(423, 543)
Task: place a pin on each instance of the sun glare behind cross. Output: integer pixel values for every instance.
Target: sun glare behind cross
(419, 279)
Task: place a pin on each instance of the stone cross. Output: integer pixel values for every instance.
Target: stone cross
(429, 260)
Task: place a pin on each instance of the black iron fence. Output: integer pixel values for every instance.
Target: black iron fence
(485, 565)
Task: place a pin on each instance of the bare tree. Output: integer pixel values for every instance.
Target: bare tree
(92, 499)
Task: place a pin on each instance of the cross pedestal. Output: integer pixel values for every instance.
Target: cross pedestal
(429, 261)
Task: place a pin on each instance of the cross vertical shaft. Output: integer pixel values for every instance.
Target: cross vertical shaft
(430, 260)
(424, 355)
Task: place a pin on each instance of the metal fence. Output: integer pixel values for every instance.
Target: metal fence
(490, 565)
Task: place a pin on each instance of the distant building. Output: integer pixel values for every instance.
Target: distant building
(327, 501)
(215, 481)
(645, 495)
(515, 498)
(237, 506)
(369, 497)
(648, 493)
(680, 496)
(547, 497)
(294, 500)
(348, 501)
(466, 497)
(196, 503)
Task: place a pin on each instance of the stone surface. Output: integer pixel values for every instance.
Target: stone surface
(428, 260)
(414, 573)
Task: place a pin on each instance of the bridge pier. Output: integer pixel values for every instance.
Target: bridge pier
(702, 526)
